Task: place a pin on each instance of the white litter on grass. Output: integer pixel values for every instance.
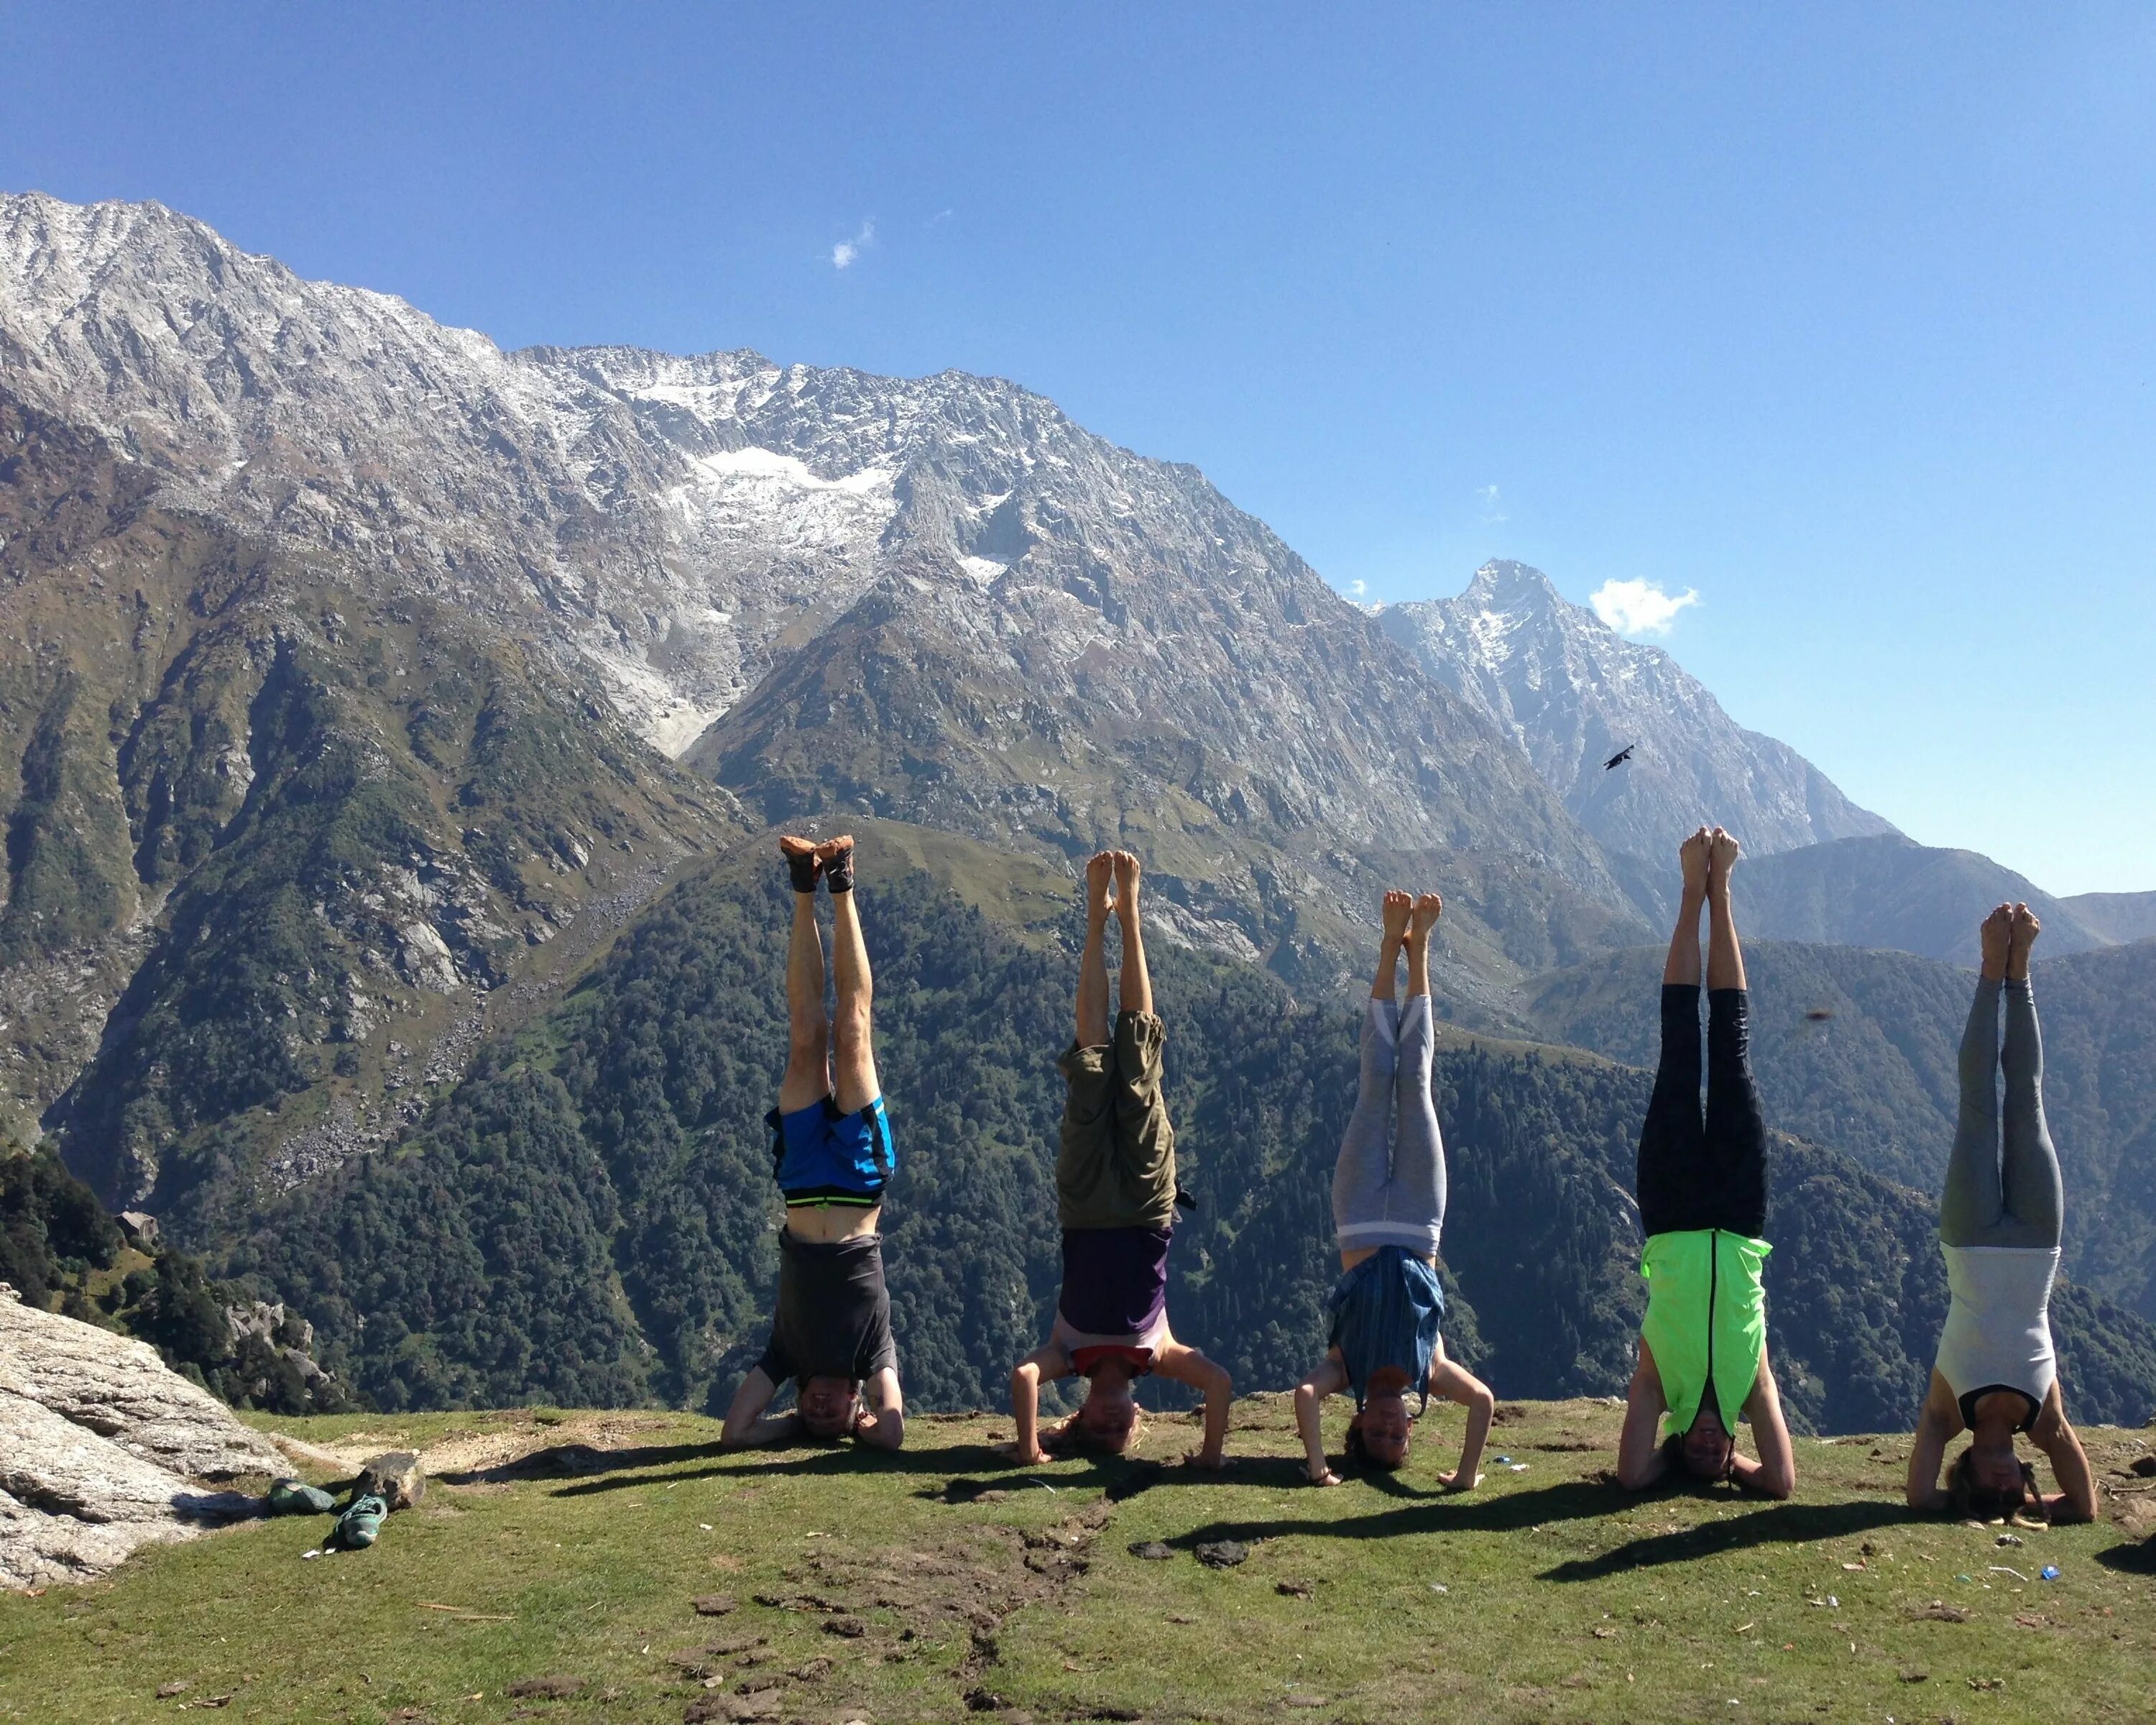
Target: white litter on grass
(705, 1526)
(1439, 1587)
(2006, 1569)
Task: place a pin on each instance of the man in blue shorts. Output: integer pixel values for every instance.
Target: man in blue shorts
(831, 1149)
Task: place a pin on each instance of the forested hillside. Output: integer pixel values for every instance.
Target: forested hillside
(61, 1252)
(1857, 1050)
(588, 1217)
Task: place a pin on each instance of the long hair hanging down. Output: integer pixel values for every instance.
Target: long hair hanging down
(1973, 1502)
(1068, 1436)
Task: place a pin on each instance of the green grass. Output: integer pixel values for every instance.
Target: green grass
(1561, 1600)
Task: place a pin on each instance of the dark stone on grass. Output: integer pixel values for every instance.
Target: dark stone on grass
(2145, 1465)
(395, 1478)
(852, 1628)
(1223, 1553)
(178, 1685)
(984, 1701)
(1292, 1589)
(714, 1604)
(1152, 1550)
(545, 1688)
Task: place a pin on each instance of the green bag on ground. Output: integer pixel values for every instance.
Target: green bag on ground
(360, 1526)
(296, 1497)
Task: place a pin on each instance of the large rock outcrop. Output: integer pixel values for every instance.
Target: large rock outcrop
(103, 1449)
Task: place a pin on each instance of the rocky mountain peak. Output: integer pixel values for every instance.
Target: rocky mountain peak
(1573, 692)
(1518, 590)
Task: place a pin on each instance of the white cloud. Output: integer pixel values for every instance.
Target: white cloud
(1639, 608)
(1493, 511)
(847, 250)
(1356, 588)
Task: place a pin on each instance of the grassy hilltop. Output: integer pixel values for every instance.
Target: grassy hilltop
(553, 1569)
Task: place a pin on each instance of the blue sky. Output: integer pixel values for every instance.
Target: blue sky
(1843, 315)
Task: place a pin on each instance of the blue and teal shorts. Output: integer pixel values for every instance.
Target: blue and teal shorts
(821, 1156)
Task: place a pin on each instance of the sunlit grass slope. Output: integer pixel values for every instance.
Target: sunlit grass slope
(562, 1585)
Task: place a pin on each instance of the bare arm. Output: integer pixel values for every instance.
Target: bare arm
(746, 1425)
(1329, 1378)
(2076, 1501)
(1456, 1384)
(1774, 1474)
(883, 1421)
(1936, 1425)
(1186, 1365)
(1639, 1459)
(1046, 1363)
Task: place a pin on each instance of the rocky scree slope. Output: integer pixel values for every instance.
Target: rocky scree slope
(274, 840)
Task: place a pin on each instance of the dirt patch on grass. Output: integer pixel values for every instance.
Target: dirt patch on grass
(896, 1605)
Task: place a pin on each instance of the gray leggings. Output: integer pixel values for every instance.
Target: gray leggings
(2018, 1202)
(1389, 1185)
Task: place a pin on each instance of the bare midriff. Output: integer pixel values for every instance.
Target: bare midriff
(822, 1224)
(1355, 1254)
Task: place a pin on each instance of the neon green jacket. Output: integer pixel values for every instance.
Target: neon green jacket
(1706, 1318)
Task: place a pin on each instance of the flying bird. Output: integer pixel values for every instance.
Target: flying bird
(1620, 757)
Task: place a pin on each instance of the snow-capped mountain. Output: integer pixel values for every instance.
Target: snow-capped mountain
(1573, 692)
(1094, 643)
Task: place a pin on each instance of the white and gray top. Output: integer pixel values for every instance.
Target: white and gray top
(1998, 1333)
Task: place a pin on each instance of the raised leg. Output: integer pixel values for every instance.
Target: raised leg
(1681, 970)
(1136, 981)
(2033, 1194)
(1092, 1029)
(1733, 1192)
(1391, 936)
(1671, 1137)
(1416, 1198)
(1364, 1170)
(807, 1076)
(1972, 1201)
(855, 1083)
(1725, 955)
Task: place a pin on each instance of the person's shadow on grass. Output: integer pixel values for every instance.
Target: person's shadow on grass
(1422, 1511)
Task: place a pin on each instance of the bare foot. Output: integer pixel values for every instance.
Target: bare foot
(2021, 936)
(801, 863)
(1100, 874)
(1127, 870)
(1722, 852)
(1991, 937)
(1423, 917)
(1692, 858)
(1393, 915)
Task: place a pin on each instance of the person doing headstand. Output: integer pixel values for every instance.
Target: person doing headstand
(1387, 1213)
(832, 1153)
(1116, 1197)
(1999, 1226)
(1702, 1193)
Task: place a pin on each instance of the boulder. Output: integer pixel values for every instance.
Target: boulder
(395, 1478)
(103, 1448)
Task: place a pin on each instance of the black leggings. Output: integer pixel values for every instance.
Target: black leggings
(1713, 1173)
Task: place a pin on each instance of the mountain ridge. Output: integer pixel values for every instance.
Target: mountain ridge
(1573, 692)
